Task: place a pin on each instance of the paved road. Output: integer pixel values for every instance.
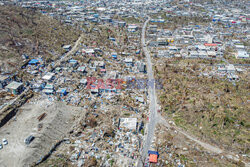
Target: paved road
(152, 96)
(153, 118)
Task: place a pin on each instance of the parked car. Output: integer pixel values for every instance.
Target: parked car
(29, 139)
(1, 146)
(5, 142)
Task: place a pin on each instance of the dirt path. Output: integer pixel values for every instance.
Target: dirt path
(155, 116)
(57, 63)
(73, 50)
(205, 145)
(16, 151)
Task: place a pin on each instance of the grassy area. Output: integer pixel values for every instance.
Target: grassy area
(174, 147)
(211, 108)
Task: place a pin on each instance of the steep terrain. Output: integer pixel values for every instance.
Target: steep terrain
(27, 31)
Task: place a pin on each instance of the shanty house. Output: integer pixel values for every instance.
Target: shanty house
(81, 69)
(48, 89)
(83, 81)
(15, 87)
(230, 68)
(153, 156)
(121, 24)
(67, 47)
(33, 62)
(242, 54)
(132, 28)
(88, 51)
(141, 67)
(128, 61)
(114, 55)
(62, 91)
(49, 76)
(73, 63)
(211, 54)
(4, 81)
(203, 54)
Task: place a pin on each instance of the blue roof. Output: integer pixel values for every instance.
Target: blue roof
(153, 152)
(73, 61)
(63, 90)
(33, 61)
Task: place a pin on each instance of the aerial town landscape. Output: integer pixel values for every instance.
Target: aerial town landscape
(131, 83)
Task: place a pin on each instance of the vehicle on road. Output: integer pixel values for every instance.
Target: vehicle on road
(1, 146)
(5, 142)
(29, 139)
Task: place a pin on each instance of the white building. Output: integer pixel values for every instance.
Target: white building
(242, 54)
(129, 123)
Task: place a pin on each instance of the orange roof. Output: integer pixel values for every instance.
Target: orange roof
(153, 158)
(210, 44)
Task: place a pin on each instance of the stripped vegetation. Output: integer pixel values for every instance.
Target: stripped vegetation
(26, 31)
(211, 108)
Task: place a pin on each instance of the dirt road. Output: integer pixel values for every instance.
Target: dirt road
(207, 146)
(73, 50)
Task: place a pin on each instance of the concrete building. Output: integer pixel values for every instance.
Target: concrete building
(129, 123)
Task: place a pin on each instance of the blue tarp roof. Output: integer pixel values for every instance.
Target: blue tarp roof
(63, 90)
(153, 152)
(33, 61)
(73, 61)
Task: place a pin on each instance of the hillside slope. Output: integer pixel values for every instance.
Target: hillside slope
(26, 31)
(213, 109)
